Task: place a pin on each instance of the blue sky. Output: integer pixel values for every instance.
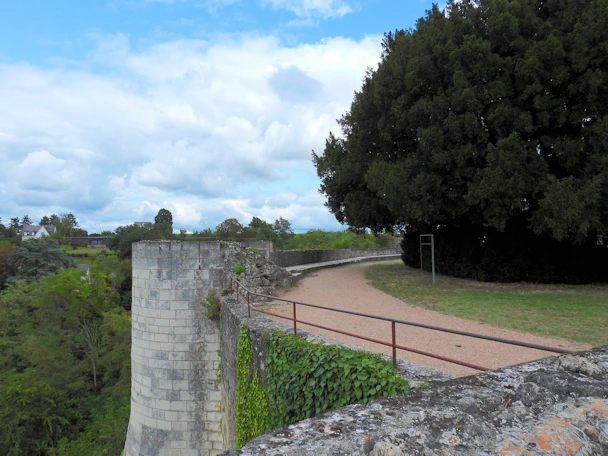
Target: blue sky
(209, 108)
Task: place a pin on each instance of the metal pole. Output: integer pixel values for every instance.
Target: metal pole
(421, 264)
(394, 346)
(294, 318)
(433, 255)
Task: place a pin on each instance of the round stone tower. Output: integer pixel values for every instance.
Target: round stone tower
(175, 398)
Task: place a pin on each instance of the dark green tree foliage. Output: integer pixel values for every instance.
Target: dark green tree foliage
(26, 220)
(281, 228)
(15, 223)
(64, 366)
(119, 273)
(45, 221)
(259, 229)
(36, 258)
(9, 235)
(489, 128)
(163, 222)
(125, 236)
(6, 248)
(66, 224)
(230, 229)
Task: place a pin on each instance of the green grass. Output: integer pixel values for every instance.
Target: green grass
(84, 255)
(83, 251)
(577, 313)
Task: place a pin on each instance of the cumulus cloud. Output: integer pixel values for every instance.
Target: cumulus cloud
(324, 9)
(190, 125)
(308, 8)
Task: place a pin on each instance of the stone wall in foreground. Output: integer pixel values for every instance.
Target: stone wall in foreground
(553, 406)
(235, 316)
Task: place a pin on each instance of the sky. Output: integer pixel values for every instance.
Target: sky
(114, 109)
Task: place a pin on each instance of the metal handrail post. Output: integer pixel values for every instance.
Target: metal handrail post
(394, 346)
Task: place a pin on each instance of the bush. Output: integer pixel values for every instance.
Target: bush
(212, 305)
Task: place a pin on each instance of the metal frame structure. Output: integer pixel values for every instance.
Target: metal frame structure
(239, 288)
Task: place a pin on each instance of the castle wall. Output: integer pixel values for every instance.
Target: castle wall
(287, 258)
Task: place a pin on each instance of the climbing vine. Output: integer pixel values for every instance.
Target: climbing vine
(251, 407)
(303, 379)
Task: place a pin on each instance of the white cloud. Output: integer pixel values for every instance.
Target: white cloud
(189, 125)
(324, 9)
(308, 8)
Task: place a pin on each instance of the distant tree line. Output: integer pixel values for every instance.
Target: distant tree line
(230, 230)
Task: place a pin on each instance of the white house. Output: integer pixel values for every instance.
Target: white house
(36, 231)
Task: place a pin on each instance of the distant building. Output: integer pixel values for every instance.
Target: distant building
(140, 223)
(36, 231)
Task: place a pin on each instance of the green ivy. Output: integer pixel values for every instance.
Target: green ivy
(304, 379)
(251, 408)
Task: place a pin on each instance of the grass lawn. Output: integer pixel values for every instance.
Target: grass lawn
(574, 312)
(82, 251)
(84, 255)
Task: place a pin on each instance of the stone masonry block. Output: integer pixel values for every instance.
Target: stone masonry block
(181, 385)
(211, 406)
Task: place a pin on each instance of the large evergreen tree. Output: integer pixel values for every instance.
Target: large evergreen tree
(487, 125)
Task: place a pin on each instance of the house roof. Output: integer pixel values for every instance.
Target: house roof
(35, 228)
(30, 229)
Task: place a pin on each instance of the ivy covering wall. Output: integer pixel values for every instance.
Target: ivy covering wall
(251, 407)
(303, 379)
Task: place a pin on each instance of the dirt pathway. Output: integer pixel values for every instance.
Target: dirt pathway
(346, 287)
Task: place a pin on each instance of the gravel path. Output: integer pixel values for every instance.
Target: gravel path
(346, 287)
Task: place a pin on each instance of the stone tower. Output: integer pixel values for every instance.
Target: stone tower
(175, 398)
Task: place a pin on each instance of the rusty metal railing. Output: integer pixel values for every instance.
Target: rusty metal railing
(236, 286)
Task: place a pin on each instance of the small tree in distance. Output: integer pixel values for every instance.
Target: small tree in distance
(163, 223)
(230, 229)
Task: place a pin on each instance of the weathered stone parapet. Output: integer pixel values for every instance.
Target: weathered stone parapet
(235, 316)
(175, 401)
(287, 258)
(555, 406)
